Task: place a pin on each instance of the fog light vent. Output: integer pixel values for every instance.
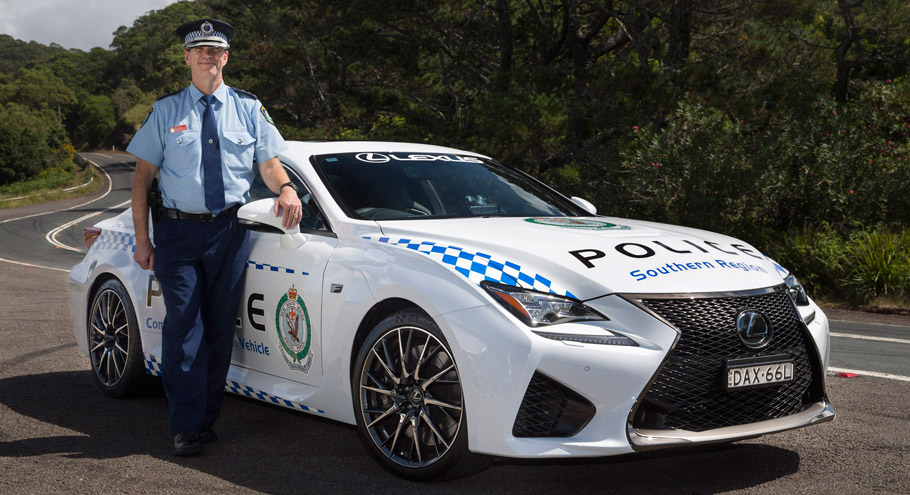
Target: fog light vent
(550, 409)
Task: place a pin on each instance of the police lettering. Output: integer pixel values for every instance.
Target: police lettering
(152, 292)
(252, 311)
(586, 255)
(640, 250)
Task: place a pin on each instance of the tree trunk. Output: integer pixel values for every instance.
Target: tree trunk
(678, 51)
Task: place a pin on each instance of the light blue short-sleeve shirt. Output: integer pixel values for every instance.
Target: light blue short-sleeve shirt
(170, 138)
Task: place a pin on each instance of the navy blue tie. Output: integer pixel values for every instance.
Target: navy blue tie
(211, 159)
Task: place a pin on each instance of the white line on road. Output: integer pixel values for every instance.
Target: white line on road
(31, 265)
(868, 323)
(52, 235)
(871, 373)
(869, 337)
(110, 184)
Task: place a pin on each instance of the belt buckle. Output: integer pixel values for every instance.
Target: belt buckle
(206, 217)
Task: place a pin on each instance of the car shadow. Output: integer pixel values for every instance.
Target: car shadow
(270, 449)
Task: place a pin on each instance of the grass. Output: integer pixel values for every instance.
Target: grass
(51, 185)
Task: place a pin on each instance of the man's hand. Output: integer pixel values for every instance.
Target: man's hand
(142, 180)
(145, 255)
(290, 203)
(274, 175)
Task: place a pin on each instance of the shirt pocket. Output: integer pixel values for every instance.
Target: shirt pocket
(182, 153)
(238, 148)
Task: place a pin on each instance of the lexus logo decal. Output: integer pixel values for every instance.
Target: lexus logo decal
(372, 157)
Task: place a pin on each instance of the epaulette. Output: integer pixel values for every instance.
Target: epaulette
(172, 93)
(246, 93)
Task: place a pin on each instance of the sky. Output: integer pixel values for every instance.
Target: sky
(82, 24)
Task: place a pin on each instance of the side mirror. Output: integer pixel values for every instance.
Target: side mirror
(584, 204)
(259, 216)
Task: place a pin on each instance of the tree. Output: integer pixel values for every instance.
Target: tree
(29, 142)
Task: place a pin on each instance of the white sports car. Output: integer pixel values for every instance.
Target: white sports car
(456, 309)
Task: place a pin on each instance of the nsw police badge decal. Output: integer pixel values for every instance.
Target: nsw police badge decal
(292, 321)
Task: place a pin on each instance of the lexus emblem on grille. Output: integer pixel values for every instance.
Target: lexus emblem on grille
(753, 328)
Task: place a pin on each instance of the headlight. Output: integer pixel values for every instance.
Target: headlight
(537, 309)
(796, 290)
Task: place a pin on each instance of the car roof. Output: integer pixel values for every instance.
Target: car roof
(329, 147)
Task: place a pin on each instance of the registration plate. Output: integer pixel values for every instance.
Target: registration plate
(758, 372)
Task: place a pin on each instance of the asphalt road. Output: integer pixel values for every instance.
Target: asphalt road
(59, 434)
(33, 235)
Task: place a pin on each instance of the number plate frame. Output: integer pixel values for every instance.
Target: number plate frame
(765, 371)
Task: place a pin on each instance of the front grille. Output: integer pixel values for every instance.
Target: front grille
(550, 409)
(689, 393)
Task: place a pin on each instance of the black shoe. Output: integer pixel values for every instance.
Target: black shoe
(187, 443)
(207, 435)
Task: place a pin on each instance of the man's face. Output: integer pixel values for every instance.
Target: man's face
(206, 60)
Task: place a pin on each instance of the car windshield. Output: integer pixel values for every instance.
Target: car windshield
(392, 186)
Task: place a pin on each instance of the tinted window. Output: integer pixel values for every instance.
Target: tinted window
(387, 186)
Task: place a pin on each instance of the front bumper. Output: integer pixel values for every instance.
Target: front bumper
(498, 358)
(641, 439)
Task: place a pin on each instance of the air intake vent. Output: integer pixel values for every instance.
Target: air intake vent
(550, 409)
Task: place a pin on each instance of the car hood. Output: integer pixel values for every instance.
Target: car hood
(587, 257)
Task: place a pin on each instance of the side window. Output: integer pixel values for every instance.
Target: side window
(311, 218)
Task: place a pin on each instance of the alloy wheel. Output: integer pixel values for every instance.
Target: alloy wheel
(109, 338)
(410, 397)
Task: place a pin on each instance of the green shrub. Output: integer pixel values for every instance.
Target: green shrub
(819, 258)
(880, 266)
(855, 268)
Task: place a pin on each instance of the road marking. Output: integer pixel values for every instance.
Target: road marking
(32, 265)
(867, 337)
(110, 184)
(51, 236)
(871, 373)
(869, 323)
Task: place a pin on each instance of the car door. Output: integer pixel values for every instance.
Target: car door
(279, 330)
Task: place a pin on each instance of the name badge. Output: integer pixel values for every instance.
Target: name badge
(179, 128)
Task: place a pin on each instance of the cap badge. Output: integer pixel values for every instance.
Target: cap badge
(207, 28)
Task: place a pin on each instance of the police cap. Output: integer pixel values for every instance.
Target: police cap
(206, 32)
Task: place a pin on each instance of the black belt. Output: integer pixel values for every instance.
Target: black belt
(201, 217)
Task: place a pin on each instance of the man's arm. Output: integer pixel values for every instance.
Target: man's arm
(274, 176)
(142, 180)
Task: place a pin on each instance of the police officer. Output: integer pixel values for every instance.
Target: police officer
(203, 140)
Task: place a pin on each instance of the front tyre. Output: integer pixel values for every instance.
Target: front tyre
(114, 344)
(409, 403)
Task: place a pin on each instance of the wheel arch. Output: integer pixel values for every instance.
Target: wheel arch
(373, 316)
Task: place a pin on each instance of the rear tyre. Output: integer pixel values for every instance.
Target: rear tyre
(409, 403)
(114, 344)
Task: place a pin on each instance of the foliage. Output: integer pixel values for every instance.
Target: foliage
(856, 268)
(749, 118)
(880, 266)
(29, 143)
(52, 177)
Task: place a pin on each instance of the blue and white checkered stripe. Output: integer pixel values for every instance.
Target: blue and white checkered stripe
(270, 268)
(239, 389)
(118, 241)
(478, 266)
(153, 367)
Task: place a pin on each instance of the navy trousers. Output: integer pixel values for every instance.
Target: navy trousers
(200, 266)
